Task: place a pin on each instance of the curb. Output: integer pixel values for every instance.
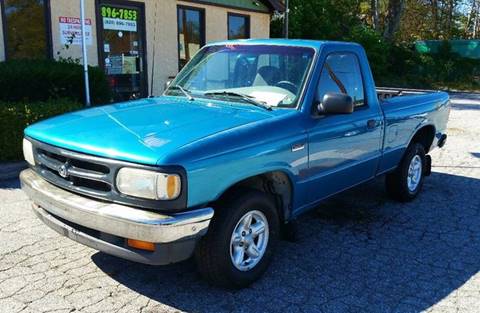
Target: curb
(11, 170)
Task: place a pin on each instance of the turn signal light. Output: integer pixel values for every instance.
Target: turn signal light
(142, 245)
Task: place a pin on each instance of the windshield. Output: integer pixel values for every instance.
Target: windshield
(267, 74)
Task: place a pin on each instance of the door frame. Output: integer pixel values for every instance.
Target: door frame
(370, 107)
(100, 38)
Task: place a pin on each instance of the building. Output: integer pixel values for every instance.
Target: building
(140, 44)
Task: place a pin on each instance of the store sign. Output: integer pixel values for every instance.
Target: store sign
(119, 19)
(71, 30)
(120, 13)
(118, 24)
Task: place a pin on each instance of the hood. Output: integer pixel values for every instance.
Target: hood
(143, 131)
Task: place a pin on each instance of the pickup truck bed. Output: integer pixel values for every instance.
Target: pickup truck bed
(407, 109)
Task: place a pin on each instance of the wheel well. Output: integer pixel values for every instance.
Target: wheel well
(276, 183)
(424, 136)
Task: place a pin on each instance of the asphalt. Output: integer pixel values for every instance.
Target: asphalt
(357, 252)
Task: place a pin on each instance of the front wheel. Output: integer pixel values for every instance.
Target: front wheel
(240, 241)
(406, 182)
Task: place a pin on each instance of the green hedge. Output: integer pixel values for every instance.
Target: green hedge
(42, 80)
(14, 117)
(443, 70)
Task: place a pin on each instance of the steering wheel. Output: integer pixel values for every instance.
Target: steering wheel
(285, 84)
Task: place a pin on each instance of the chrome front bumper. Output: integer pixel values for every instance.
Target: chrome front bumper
(52, 204)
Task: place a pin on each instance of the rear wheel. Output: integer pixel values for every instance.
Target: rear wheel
(406, 182)
(240, 241)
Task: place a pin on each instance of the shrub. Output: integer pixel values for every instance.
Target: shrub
(443, 69)
(41, 80)
(14, 117)
(405, 68)
(447, 69)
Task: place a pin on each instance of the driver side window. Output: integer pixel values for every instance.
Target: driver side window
(341, 74)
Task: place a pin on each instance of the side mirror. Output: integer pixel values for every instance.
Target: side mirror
(335, 103)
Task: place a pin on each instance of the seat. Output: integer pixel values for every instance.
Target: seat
(267, 76)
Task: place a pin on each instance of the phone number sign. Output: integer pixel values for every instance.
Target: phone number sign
(119, 24)
(120, 19)
(119, 13)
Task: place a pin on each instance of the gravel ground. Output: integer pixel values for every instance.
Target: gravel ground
(359, 252)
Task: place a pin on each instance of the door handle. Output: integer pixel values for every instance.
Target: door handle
(298, 147)
(371, 124)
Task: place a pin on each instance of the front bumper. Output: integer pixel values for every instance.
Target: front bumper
(106, 226)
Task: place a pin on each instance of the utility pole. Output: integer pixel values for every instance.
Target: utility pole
(84, 52)
(287, 11)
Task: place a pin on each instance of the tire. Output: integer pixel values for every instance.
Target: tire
(214, 254)
(397, 182)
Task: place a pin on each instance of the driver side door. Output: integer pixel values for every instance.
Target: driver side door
(344, 148)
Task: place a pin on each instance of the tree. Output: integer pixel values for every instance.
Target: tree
(323, 19)
(394, 15)
(374, 12)
(396, 20)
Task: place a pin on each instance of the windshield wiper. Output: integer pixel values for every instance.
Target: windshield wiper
(244, 97)
(183, 90)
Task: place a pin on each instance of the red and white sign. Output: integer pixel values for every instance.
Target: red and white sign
(71, 30)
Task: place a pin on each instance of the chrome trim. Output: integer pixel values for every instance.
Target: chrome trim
(55, 165)
(112, 218)
(166, 253)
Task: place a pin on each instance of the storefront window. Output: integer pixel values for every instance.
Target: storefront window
(26, 28)
(238, 26)
(122, 53)
(191, 32)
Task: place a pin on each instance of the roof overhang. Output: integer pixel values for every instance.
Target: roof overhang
(275, 5)
(262, 6)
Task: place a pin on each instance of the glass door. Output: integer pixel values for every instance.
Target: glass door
(121, 42)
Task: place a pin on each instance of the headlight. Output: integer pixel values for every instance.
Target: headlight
(148, 184)
(28, 152)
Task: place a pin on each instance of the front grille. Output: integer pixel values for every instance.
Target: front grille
(74, 171)
(95, 176)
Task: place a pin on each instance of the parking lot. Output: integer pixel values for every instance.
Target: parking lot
(358, 252)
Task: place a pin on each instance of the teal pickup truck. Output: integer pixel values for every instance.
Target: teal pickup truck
(249, 135)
